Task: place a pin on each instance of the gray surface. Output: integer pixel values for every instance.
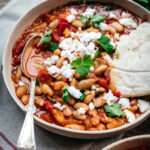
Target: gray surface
(12, 117)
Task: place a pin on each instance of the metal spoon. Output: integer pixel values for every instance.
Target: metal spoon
(26, 138)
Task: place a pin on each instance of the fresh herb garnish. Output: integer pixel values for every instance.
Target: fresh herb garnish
(82, 67)
(104, 43)
(84, 20)
(114, 110)
(65, 96)
(37, 81)
(97, 53)
(46, 39)
(97, 19)
(109, 7)
(54, 46)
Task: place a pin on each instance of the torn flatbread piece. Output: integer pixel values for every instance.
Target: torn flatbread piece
(131, 72)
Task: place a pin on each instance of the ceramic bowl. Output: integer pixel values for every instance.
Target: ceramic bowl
(132, 142)
(26, 20)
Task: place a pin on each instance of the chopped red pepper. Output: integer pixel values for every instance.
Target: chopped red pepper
(117, 94)
(48, 106)
(62, 25)
(103, 83)
(107, 79)
(18, 47)
(46, 17)
(43, 75)
(16, 61)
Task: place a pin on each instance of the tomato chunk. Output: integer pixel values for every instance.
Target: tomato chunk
(46, 17)
(18, 47)
(48, 106)
(62, 25)
(103, 83)
(16, 61)
(117, 94)
(43, 75)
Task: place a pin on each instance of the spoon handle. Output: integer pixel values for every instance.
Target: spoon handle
(26, 140)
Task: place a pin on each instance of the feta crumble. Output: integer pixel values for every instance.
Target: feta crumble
(128, 22)
(93, 87)
(74, 92)
(92, 69)
(103, 26)
(70, 18)
(125, 103)
(130, 116)
(112, 16)
(143, 105)
(67, 72)
(125, 15)
(73, 11)
(91, 106)
(110, 98)
(81, 111)
(47, 62)
(59, 106)
(54, 59)
(54, 71)
(116, 36)
(89, 13)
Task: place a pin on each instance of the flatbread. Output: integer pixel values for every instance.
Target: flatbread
(133, 65)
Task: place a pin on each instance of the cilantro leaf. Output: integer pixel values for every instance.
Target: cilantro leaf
(83, 95)
(65, 96)
(46, 39)
(109, 7)
(82, 67)
(82, 70)
(76, 63)
(54, 46)
(97, 19)
(87, 61)
(104, 43)
(97, 53)
(84, 20)
(114, 110)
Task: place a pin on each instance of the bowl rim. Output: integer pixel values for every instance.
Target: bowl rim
(129, 139)
(49, 125)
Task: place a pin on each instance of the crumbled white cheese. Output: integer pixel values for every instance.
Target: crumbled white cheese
(21, 83)
(110, 98)
(116, 36)
(125, 103)
(66, 71)
(91, 106)
(130, 116)
(125, 15)
(53, 71)
(73, 48)
(92, 69)
(112, 16)
(128, 22)
(112, 43)
(54, 59)
(108, 58)
(74, 92)
(47, 62)
(103, 26)
(93, 87)
(89, 13)
(59, 106)
(65, 62)
(73, 11)
(66, 44)
(81, 111)
(70, 18)
(143, 105)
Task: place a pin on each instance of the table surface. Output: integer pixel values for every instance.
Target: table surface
(144, 128)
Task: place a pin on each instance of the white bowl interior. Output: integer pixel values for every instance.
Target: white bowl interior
(19, 28)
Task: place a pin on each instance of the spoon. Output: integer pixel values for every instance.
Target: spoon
(26, 138)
